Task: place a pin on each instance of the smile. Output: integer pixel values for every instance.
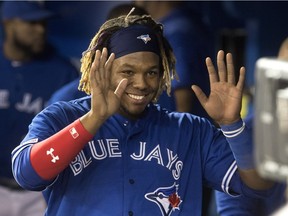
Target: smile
(136, 97)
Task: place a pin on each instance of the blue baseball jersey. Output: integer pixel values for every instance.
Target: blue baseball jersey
(156, 165)
(25, 88)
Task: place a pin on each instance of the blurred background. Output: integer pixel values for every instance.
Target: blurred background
(248, 29)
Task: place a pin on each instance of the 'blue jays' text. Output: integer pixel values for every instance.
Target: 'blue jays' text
(110, 148)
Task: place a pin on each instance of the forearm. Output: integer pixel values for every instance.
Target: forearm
(240, 141)
(253, 180)
(52, 155)
(91, 122)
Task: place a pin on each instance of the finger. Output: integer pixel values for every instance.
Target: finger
(94, 75)
(103, 59)
(221, 66)
(121, 88)
(108, 66)
(110, 60)
(104, 56)
(230, 69)
(241, 81)
(200, 95)
(213, 77)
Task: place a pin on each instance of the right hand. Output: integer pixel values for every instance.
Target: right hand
(104, 100)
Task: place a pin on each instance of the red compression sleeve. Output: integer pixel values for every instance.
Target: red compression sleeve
(51, 156)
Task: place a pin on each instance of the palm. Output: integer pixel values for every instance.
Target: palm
(224, 102)
(104, 101)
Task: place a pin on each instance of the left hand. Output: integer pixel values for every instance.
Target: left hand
(224, 102)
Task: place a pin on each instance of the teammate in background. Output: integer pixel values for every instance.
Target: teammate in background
(70, 91)
(30, 72)
(119, 147)
(231, 206)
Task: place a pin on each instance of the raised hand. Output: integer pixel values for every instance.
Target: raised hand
(224, 102)
(104, 100)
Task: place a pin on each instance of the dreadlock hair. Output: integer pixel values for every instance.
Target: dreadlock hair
(102, 38)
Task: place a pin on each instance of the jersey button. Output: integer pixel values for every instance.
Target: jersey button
(130, 213)
(131, 181)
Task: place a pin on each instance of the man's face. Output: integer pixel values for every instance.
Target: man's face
(29, 37)
(142, 69)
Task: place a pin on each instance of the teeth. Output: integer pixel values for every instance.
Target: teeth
(136, 97)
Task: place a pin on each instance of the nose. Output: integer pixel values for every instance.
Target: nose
(140, 82)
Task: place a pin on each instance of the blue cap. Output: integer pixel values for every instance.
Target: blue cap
(25, 10)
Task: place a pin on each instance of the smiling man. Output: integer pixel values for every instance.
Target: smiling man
(119, 153)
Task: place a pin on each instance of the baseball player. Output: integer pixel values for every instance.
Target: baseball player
(30, 72)
(118, 153)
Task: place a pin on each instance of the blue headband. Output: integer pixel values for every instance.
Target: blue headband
(135, 38)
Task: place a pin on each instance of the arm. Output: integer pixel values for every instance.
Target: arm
(224, 105)
(241, 205)
(51, 156)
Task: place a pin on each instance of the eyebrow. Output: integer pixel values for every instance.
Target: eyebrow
(133, 65)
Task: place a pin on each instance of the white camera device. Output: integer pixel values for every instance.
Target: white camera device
(271, 118)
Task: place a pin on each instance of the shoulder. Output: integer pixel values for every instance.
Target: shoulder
(56, 117)
(81, 104)
(64, 111)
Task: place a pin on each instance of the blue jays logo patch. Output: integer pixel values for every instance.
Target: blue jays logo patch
(166, 198)
(144, 38)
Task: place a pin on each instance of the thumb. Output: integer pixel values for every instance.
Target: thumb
(199, 94)
(121, 88)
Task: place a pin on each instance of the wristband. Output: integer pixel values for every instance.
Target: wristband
(52, 155)
(239, 138)
(233, 133)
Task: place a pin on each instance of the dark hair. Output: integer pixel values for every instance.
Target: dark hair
(101, 40)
